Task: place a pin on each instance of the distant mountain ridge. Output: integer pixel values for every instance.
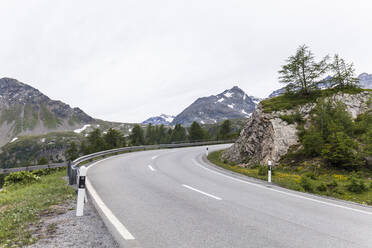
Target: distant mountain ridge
(24, 110)
(365, 82)
(233, 103)
(162, 119)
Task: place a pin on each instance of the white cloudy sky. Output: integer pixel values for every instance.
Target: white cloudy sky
(128, 60)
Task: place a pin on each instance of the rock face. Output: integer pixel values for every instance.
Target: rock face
(26, 111)
(230, 104)
(267, 137)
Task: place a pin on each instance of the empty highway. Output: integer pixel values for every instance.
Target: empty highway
(174, 199)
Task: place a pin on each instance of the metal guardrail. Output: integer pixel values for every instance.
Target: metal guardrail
(73, 168)
(31, 168)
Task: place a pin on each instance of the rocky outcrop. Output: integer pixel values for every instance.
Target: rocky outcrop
(267, 137)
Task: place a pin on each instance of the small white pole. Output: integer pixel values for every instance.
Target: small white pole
(81, 191)
(269, 171)
(207, 151)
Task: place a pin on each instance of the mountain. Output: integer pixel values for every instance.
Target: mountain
(230, 104)
(24, 110)
(159, 120)
(365, 82)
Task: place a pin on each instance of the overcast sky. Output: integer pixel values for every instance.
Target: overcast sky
(129, 60)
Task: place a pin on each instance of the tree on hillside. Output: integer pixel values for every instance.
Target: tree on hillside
(302, 71)
(150, 135)
(96, 142)
(196, 132)
(340, 151)
(178, 134)
(72, 152)
(225, 129)
(161, 135)
(137, 137)
(331, 117)
(343, 74)
(114, 139)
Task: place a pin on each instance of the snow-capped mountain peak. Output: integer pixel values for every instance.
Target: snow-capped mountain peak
(230, 104)
(162, 119)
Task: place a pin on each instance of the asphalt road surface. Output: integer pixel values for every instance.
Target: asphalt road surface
(174, 198)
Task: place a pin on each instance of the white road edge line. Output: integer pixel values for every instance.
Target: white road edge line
(283, 192)
(123, 231)
(202, 192)
(151, 168)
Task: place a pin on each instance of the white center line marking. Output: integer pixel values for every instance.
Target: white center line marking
(154, 157)
(201, 192)
(151, 168)
(282, 192)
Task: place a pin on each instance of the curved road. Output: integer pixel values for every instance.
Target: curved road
(174, 198)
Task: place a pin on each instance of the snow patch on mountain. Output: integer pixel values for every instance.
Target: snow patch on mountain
(80, 130)
(228, 94)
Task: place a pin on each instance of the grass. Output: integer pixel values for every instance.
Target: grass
(306, 178)
(291, 101)
(22, 206)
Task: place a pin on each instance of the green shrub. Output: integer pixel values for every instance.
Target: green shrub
(340, 152)
(313, 142)
(262, 170)
(22, 177)
(307, 184)
(42, 161)
(356, 185)
(311, 175)
(332, 185)
(322, 187)
(44, 172)
(293, 118)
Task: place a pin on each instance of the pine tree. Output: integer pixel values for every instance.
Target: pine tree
(137, 137)
(150, 135)
(72, 152)
(178, 134)
(343, 74)
(96, 142)
(340, 151)
(196, 132)
(114, 139)
(225, 129)
(302, 71)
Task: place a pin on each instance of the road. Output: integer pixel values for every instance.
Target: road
(174, 198)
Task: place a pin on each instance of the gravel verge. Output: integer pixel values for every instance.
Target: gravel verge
(59, 227)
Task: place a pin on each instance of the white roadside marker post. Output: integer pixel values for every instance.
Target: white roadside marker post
(81, 191)
(269, 171)
(207, 152)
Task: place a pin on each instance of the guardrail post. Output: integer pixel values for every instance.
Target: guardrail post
(81, 191)
(269, 171)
